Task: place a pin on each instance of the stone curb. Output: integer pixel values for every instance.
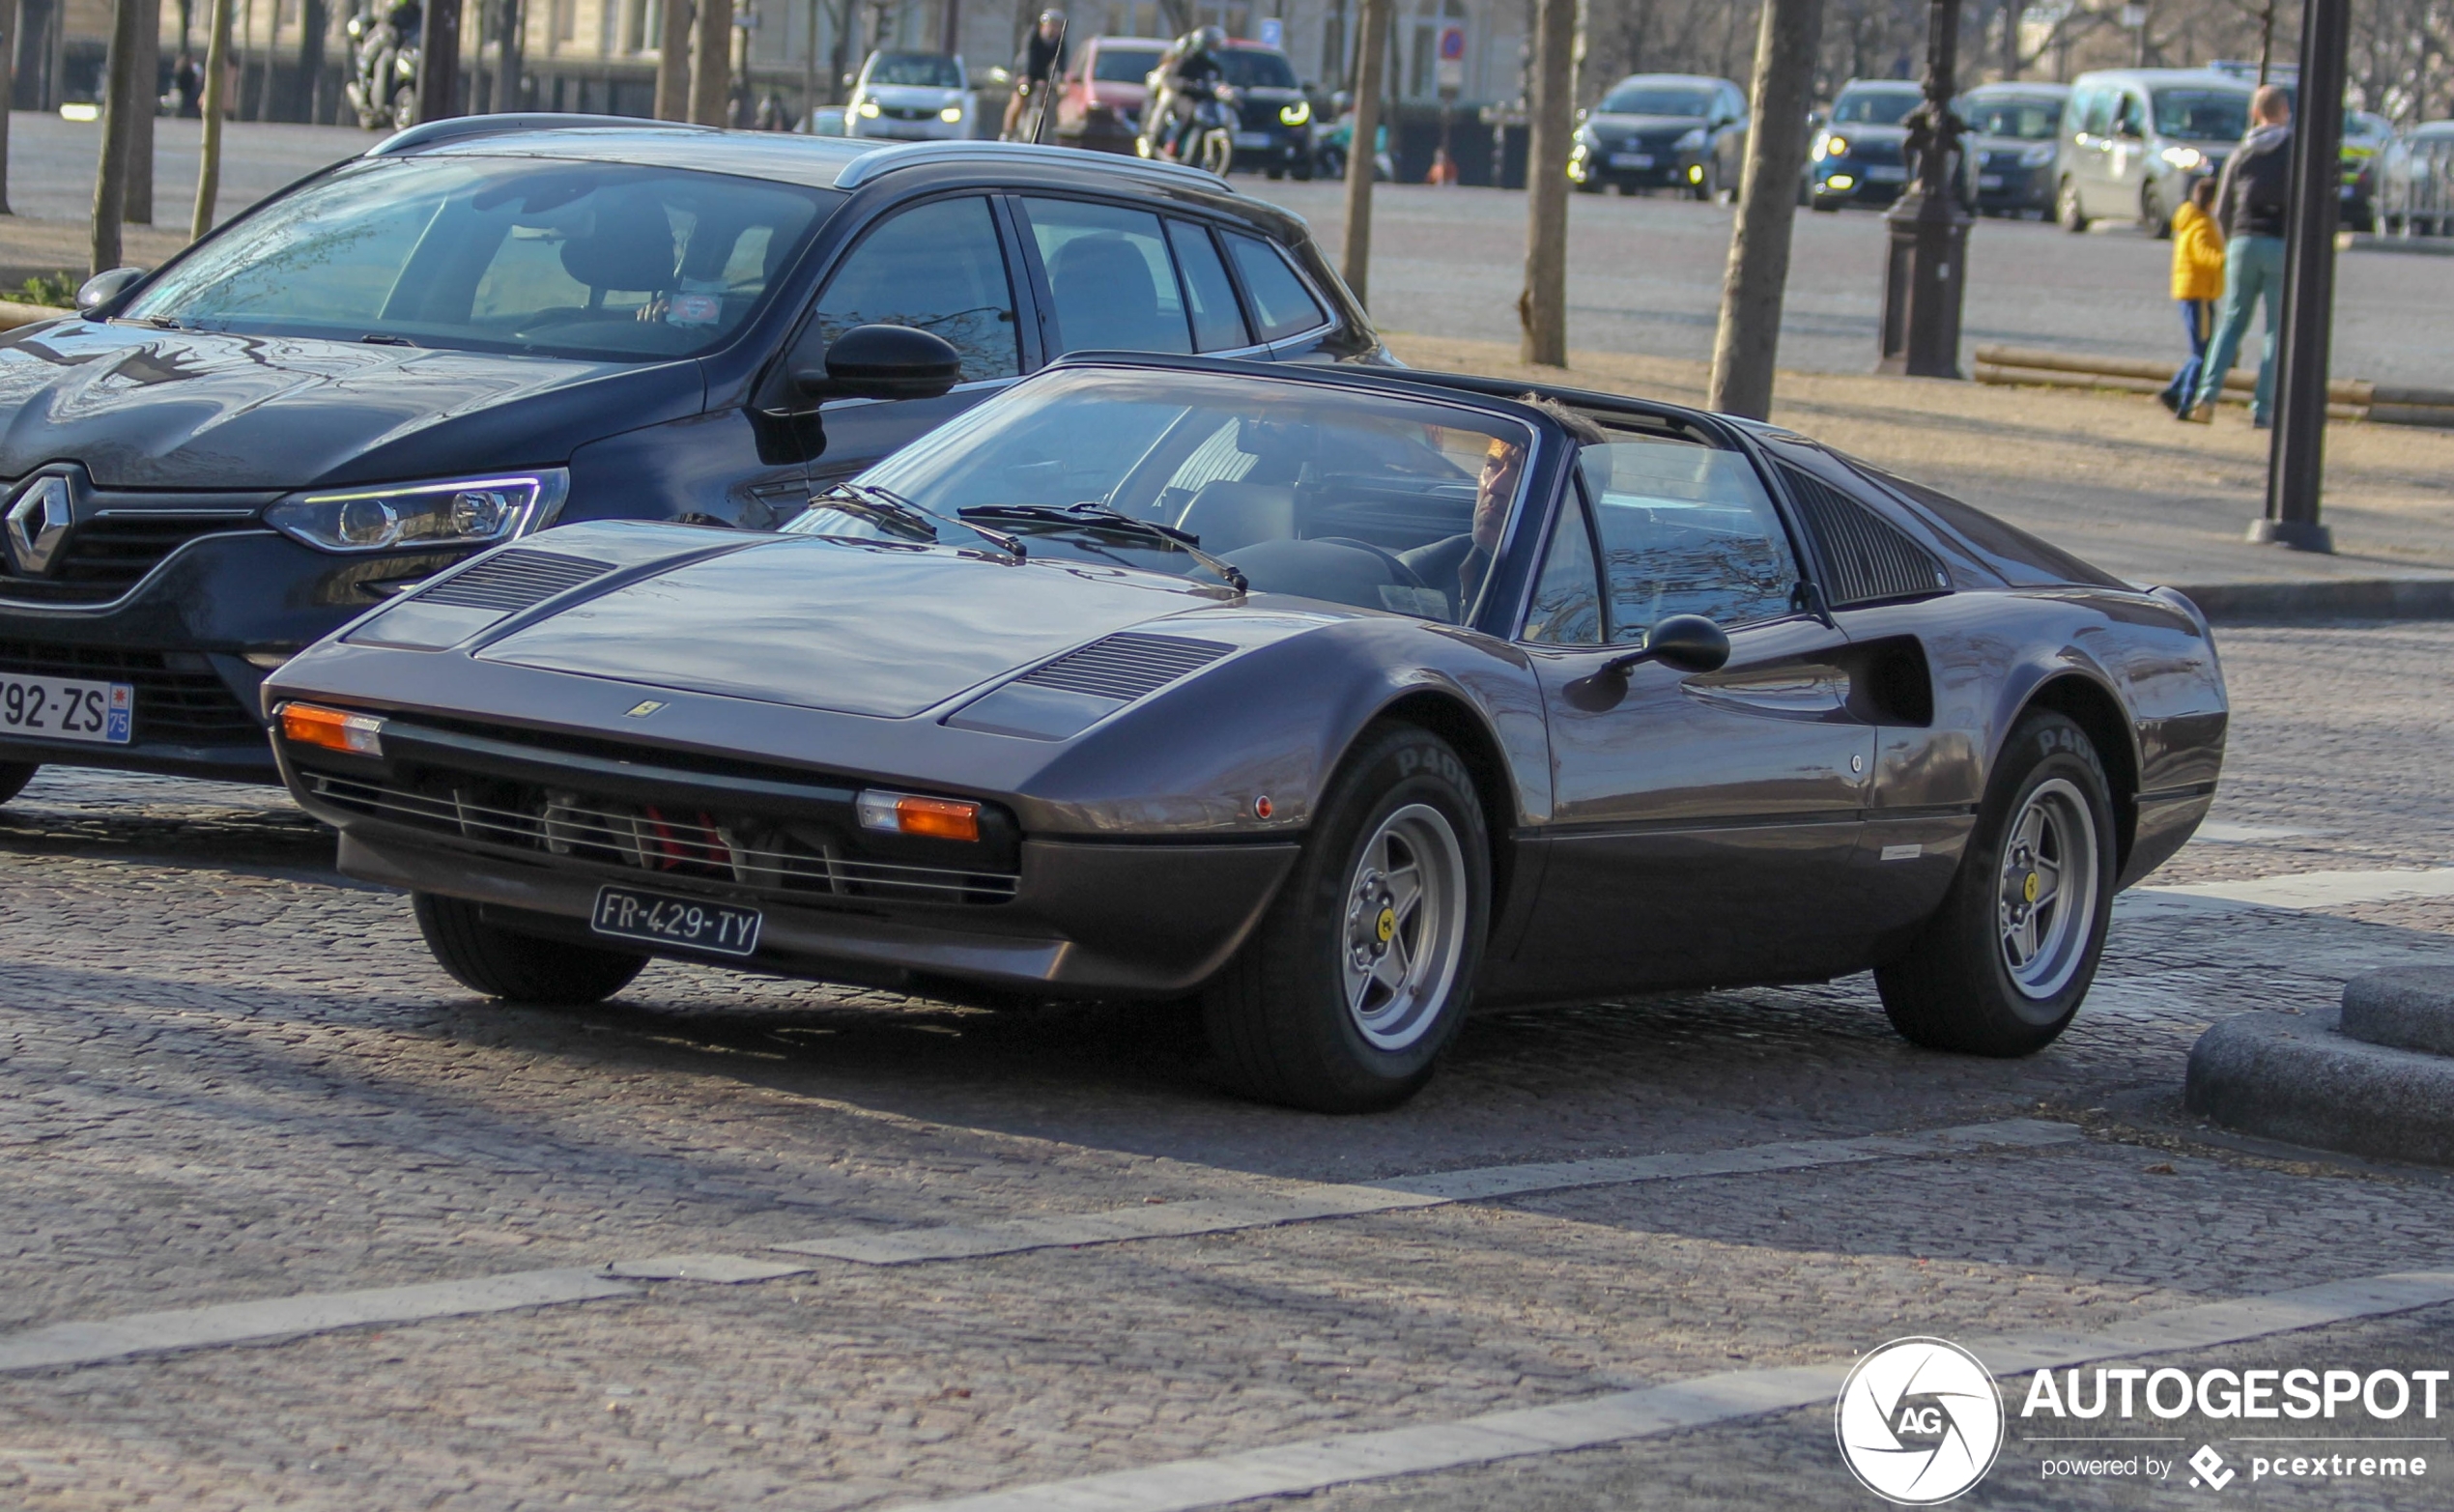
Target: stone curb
(2408, 1008)
(2308, 600)
(2294, 1077)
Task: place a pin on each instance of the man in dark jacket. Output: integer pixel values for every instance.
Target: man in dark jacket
(2252, 203)
(1037, 69)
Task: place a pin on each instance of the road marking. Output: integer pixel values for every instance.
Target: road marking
(1341, 1459)
(2293, 891)
(2219, 831)
(288, 1317)
(1318, 1200)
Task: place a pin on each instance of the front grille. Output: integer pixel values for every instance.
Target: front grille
(1126, 667)
(513, 580)
(1871, 559)
(106, 555)
(792, 857)
(187, 704)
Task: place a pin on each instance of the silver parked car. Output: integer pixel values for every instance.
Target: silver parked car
(2414, 179)
(2134, 140)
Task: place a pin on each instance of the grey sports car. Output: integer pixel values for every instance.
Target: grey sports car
(1341, 699)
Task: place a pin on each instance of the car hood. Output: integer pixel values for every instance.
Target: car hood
(881, 630)
(1619, 123)
(202, 409)
(929, 96)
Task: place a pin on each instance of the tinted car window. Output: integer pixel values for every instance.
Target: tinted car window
(1218, 325)
(1685, 530)
(1653, 100)
(937, 266)
(1125, 65)
(1110, 275)
(1567, 602)
(2203, 115)
(928, 69)
(2025, 120)
(1874, 107)
(1281, 305)
(1248, 68)
(564, 257)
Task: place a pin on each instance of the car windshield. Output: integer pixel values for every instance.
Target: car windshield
(2028, 120)
(1250, 67)
(1874, 107)
(1125, 65)
(549, 258)
(928, 69)
(1655, 100)
(2202, 115)
(1379, 502)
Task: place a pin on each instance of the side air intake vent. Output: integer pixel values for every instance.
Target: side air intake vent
(1126, 667)
(515, 579)
(1871, 559)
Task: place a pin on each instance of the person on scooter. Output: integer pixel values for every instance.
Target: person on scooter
(1195, 75)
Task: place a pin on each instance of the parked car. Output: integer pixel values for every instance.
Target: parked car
(1860, 151)
(1275, 110)
(1685, 132)
(491, 323)
(2134, 140)
(2013, 139)
(2365, 135)
(1342, 699)
(2415, 180)
(1106, 88)
(912, 96)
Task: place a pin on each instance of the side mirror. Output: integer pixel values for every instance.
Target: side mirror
(1690, 643)
(883, 362)
(103, 288)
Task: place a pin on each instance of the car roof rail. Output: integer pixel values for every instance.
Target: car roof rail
(453, 128)
(919, 155)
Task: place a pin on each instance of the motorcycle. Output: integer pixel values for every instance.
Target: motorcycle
(1207, 141)
(383, 53)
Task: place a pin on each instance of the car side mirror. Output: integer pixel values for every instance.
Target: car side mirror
(1688, 642)
(104, 287)
(883, 362)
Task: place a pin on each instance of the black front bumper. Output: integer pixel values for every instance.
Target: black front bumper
(2018, 188)
(181, 635)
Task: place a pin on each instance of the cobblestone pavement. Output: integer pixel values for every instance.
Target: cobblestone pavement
(224, 1076)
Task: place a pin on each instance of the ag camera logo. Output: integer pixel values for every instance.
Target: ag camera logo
(1919, 1421)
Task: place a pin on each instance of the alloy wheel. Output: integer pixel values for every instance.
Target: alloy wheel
(2046, 902)
(1405, 927)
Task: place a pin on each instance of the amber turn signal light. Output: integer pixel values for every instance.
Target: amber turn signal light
(909, 813)
(333, 730)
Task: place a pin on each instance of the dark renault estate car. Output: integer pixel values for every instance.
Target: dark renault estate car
(486, 326)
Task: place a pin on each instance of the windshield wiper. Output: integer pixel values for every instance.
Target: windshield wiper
(380, 340)
(873, 500)
(1100, 517)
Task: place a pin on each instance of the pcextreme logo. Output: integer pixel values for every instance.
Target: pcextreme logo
(1919, 1421)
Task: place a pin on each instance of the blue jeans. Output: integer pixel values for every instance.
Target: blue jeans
(2253, 271)
(2198, 317)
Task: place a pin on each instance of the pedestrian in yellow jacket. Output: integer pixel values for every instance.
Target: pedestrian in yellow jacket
(2198, 282)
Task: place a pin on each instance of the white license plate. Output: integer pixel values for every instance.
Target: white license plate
(1887, 175)
(665, 919)
(1631, 159)
(1252, 138)
(1989, 181)
(56, 708)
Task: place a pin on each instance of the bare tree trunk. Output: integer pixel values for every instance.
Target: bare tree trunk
(110, 174)
(1361, 155)
(11, 27)
(1749, 333)
(508, 55)
(1542, 307)
(711, 63)
(438, 61)
(673, 62)
(137, 204)
(215, 105)
(2011, 11)
(271, 55)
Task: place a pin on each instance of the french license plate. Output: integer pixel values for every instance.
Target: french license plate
(1631, 159)
(56, 708)
(1989, 181)
(664, 919)
(1884, 174)
(1252, 138)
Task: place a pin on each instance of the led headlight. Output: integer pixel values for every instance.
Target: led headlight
(1833, 147)
(470, 512)
(1693, 139)
(950, 115)
(2037, 156)
(1295, 114)
(2183, 157)
(869, 110)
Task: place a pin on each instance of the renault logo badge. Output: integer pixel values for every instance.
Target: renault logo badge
(38, 521)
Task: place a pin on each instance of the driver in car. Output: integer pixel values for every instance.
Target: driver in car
(1465, 559)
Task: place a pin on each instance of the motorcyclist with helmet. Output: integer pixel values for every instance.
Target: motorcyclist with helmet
(1191, 71)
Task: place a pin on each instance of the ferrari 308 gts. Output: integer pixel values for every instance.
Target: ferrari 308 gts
(1340, 700)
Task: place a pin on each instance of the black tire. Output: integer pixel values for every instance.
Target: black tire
(1954, 989)
(1828, 207)
(1587, 185)
(519, 968)
(2152, 216)
(13, 775)
(1279, 1019)
(2065, 209)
